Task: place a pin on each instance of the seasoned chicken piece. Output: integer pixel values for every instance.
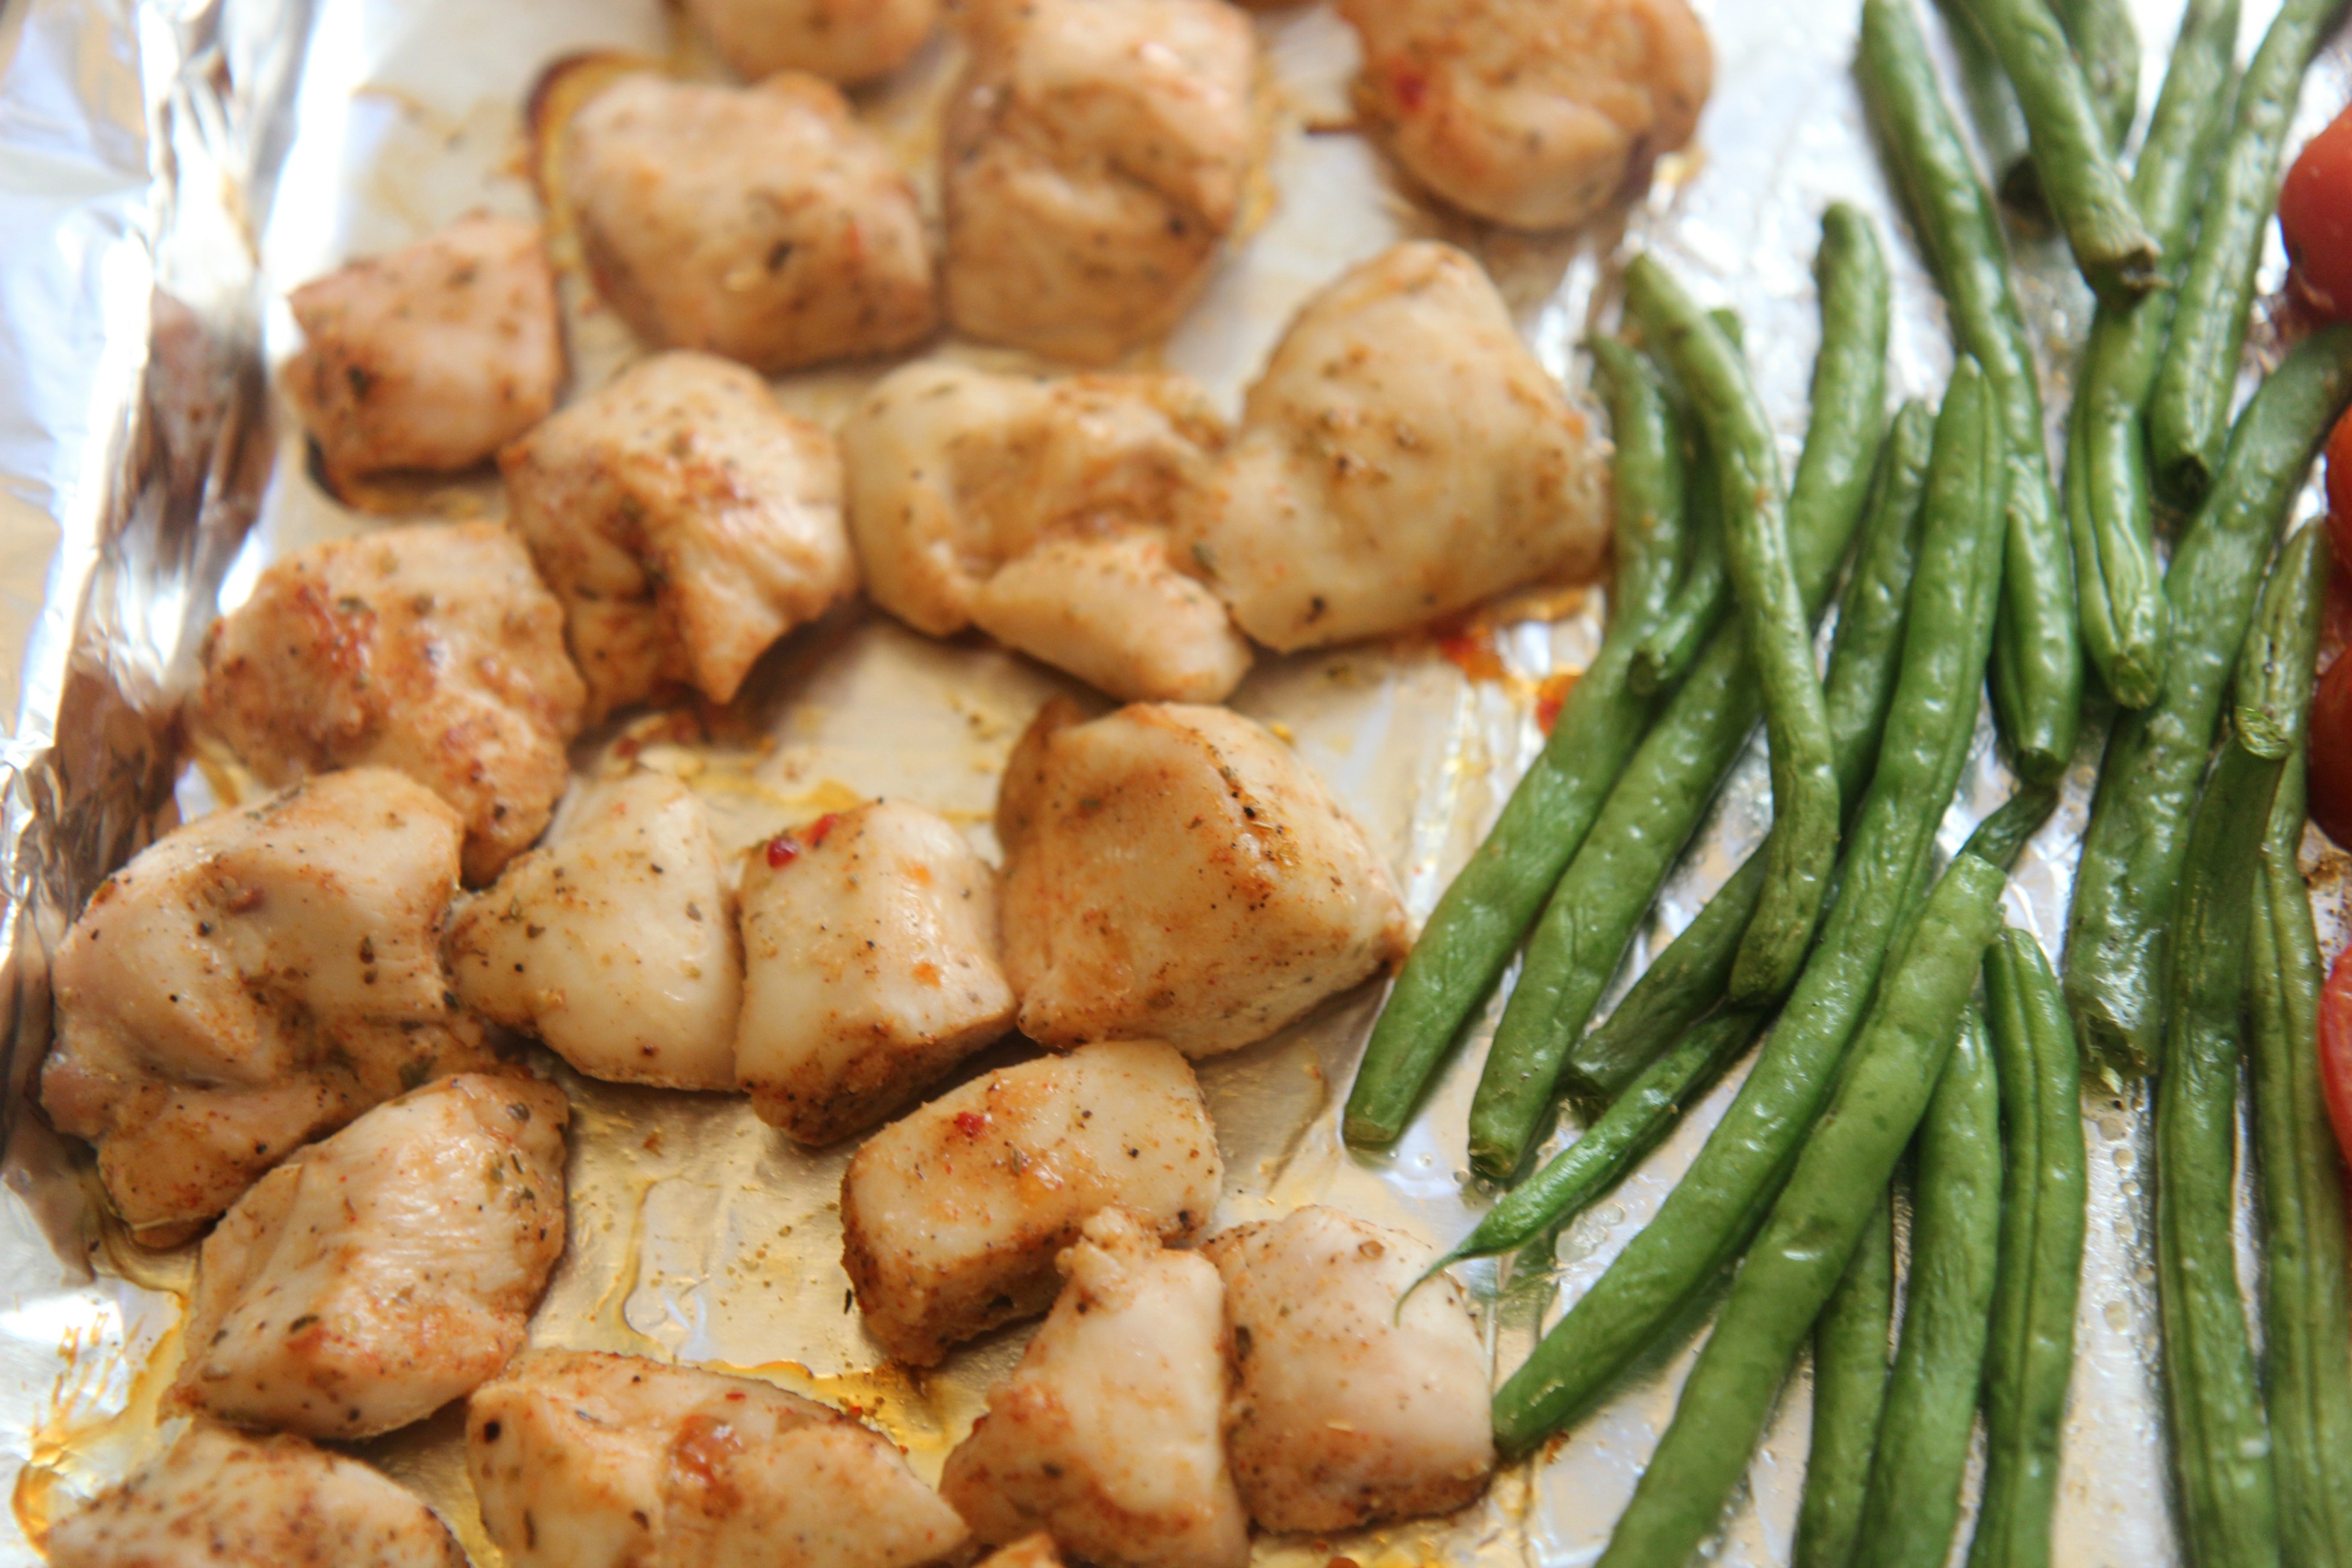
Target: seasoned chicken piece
(1177, 871)
(615, 945)
(251, 981)
(1344, 1412)
(585, 1460)
(1533, 113)
(219, 1499)
(685, 520)
(1097, 152)
(373, 1278)
(1403, 457)
(1036, 1550)
(1107, 1433)
(432, 649)
(432, 357)
(761, 223)
(951, 1216)
(871, 968)
(1037, 510)
(842, 40)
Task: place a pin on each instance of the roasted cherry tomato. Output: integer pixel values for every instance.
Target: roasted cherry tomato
(2339, 492)
(2330, 768)
(2335, 1048)
(2315, 218)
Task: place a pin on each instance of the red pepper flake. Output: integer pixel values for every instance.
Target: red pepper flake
(1411, 87)
(782, 851)
(971, 1124)
(816, 832)
(1552, 696)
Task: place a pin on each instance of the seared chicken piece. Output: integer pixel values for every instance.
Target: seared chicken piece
(685, 520)
(1533, 113)
(219, 1499)
(843, 41)
(1097, 152)
(251, 981)
(761, 223)
(1030, 1551)
(1403, 457)
(615, 945)
(372, 1279)
(871, 968)
(1344, 1412)
(585, 1460)
(1107, 1433)
(432, 357)
(1177, 872)
(951, 1216)
(432, 649)
(1037, 510)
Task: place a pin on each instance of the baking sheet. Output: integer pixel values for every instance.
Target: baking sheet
(169, 169)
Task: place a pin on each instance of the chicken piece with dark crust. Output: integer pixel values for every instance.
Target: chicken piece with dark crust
(686, 521)
(431, 357)
(251, 981)
(433, 649)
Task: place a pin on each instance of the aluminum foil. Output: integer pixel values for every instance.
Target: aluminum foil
(170, 168)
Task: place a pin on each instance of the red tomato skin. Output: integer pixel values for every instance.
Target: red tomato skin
(2340, 491)
(2329, 770)
(2335, 1046)
(2315, 218)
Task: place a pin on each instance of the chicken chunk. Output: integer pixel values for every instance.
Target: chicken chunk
(585, 1460)
(1345, 1412)
(1403, 457)
(432, 649)
(1533, 113)
(1037, 510)
(1036, 1550)
(375, 1277)
(432, 357)
(842, 40)
(871, 968)
(251, 981)
(219, 1499)
(761, 223)
(686, 521)
(1107, 1433)
(1177, 872)
(616, 944)
(951, 1216)
(1097, 152)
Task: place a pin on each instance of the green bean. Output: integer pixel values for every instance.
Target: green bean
(1850, 1362)
(1993, 109)
(2148, 786)
(1774, 614)
(2032, 1353)
(1581, 937)
(1680, 629)
(2224, 1484)
(1635, 1120)
(2073, 160)
(1482, 915)
(2197, 380)
(2274, 667)
(1692, 974)
(1815, 1225)
(2307, 1315)
(2107, 44)
(1914, 1503)
(1929, 729)
(2120, 587)
(2038, 660)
